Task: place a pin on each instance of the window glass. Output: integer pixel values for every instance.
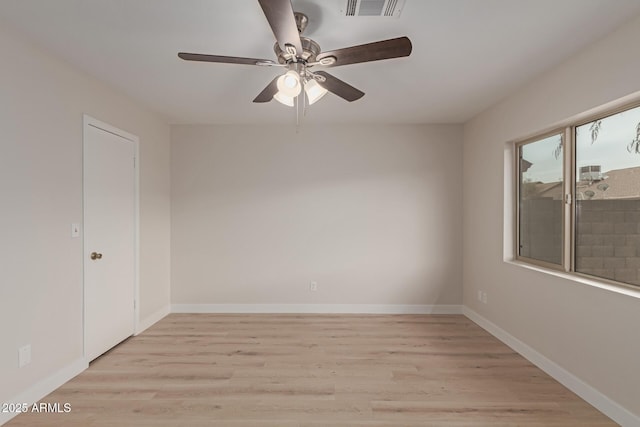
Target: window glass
(607, 193)
(540, 203)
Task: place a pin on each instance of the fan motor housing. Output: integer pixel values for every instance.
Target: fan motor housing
(310, 49)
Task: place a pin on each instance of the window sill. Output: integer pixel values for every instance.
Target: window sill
(619, 289)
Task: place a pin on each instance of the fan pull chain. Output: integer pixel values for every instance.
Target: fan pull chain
(297, 104)
(305, 102)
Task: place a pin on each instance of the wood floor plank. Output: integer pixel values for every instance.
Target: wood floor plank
(291, 370)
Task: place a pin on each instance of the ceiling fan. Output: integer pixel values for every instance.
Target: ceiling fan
(300, 54)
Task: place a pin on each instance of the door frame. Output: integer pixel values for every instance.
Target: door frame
(88, 121)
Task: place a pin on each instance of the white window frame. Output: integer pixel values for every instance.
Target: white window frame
(518, 163)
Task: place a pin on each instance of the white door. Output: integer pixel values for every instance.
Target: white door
(109, 237)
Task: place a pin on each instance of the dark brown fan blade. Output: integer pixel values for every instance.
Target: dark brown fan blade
(223, 59)
(267, 94)
(338, 87)
(279, 13)
(385, 49)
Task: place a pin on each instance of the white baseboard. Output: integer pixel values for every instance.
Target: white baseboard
(41, 389)
(603, 403)
(150, 320)
(318, 308)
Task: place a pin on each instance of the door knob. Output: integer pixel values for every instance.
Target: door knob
(95, 255)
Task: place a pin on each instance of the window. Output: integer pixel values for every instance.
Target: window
(578, 201)
(607, 194)
(540, 196)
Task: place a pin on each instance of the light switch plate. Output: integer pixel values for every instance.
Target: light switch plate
(75, 230)
(24, 355)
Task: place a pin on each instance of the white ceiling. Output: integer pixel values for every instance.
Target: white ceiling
(467, 54)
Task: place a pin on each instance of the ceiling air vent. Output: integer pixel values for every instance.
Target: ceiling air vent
(391, 8)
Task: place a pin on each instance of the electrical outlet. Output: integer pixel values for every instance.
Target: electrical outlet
(484, 297)
(24, 355)
(313, 286)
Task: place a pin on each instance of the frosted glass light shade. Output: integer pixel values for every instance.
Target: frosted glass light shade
(283, 99)
(314, 91)
(289, 84)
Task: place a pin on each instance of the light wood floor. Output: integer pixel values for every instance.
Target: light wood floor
(314, 370)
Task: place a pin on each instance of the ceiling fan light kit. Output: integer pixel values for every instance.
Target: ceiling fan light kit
(289, 84)
(300, 54)
(284, 99)
(314, 91)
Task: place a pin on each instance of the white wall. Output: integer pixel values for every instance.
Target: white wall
(590, 332)
(372, 213)
(42, 101)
